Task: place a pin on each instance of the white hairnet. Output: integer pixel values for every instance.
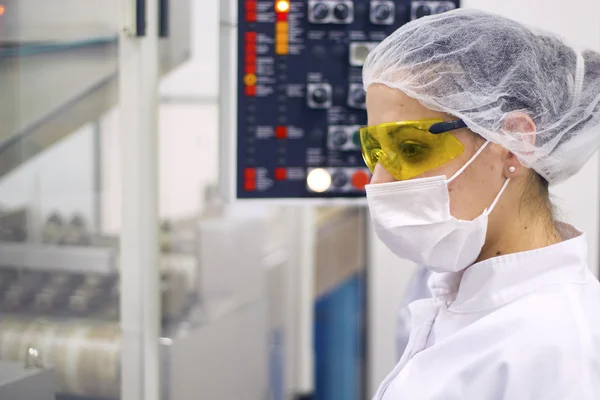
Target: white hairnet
(483, 68)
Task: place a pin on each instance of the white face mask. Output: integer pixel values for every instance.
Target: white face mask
(412, 218)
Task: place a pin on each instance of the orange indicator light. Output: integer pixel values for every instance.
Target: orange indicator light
(2, 9)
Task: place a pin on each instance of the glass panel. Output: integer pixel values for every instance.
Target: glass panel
(58, 257)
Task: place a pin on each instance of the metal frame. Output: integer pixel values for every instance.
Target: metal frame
(140, 302)
(228, 27)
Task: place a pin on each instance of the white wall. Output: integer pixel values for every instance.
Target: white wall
(576, 20)
(198, 77)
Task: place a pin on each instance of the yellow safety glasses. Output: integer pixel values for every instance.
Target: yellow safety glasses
(410, 148)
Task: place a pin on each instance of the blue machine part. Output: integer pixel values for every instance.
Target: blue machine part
(339, 342)
(276, 364)
(300, 95)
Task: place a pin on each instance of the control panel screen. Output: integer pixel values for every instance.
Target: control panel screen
(300, 96)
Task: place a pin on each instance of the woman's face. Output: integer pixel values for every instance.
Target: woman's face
(475, 188)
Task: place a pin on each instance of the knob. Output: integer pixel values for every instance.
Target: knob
(443, 8)
(339, 138)
(341, 11)
(382, 12)
(423, 11)
(358, 96)
(339, 179)
(320, 96)
(320, 11)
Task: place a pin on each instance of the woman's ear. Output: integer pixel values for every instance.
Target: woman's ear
(519, 125)
(519, 122)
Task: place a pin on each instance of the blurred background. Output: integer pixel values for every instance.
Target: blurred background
(182, 210)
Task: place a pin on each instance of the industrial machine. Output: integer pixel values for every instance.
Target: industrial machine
(292, 98)
(59, 278)
(60, 300)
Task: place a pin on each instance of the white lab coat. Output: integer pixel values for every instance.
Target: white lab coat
(417, 289)
(522, 326)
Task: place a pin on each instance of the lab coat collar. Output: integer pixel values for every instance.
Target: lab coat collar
(500, 280)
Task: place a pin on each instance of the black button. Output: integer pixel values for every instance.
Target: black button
(443, 8)
(320, 96)
(358, 96)
(341, 11)
(339, 138)
(382, 12)
(423, 11)
(339, 179)
(320, 11)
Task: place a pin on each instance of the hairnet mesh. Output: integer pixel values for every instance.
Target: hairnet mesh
(485, 69)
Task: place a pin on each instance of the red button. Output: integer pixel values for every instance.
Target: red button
(250, 5)
(282, 16)
(250, 174)
(280, 174)
(360, 179)
(250, 69)
(250, 58)
(251, 37)
(251, 91)
(250, 48)
(251, 16)
(281, 132)
(250, 186)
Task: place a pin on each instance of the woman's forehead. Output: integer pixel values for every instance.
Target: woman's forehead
(385, 104)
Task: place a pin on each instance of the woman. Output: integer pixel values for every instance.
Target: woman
(471, 117)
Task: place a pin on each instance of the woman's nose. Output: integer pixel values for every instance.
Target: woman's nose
(381, 175)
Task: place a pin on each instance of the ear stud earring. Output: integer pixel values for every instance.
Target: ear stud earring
(512, 169)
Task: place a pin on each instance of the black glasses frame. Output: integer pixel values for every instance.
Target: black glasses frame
(442, 127)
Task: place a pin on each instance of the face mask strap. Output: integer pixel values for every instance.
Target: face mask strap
(491, 208)
(460, 171)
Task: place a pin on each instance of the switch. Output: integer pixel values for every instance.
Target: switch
(280, 132)
(423, 11)
(382, 12)
(444, 8)
(280, 174)
(360, 179)
(341, 11)
(339, 179)
(359, 52)
(339, 138)
(250, 174)
(319, 95)
(320, 12)
(331, 11)
(357, 96)
(250, 186)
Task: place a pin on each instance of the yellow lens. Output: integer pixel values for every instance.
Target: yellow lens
(407, 149)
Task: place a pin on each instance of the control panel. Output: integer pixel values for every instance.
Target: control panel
(292, 98)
